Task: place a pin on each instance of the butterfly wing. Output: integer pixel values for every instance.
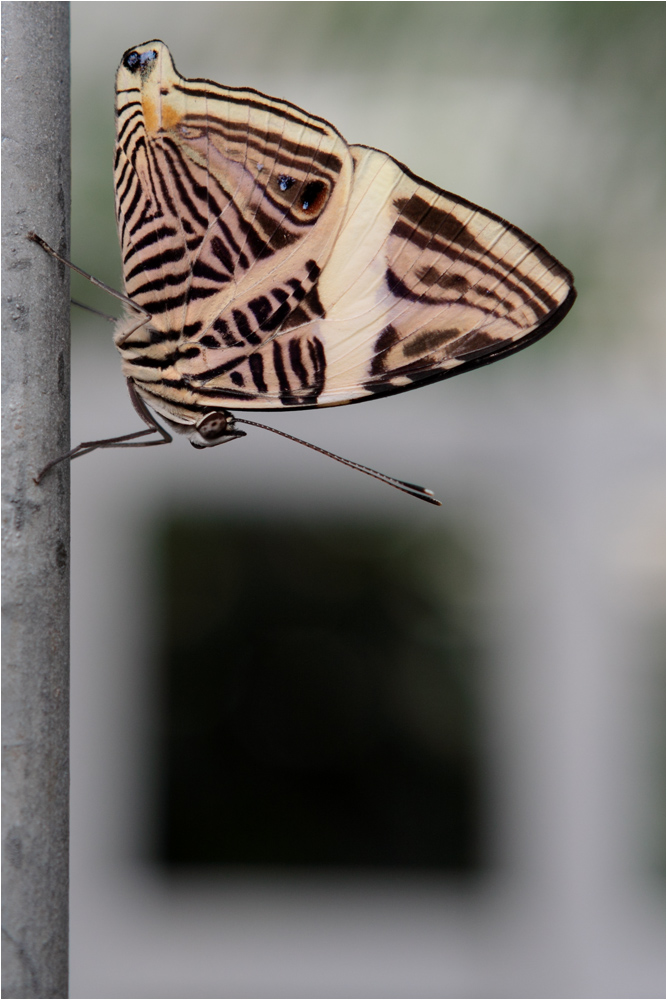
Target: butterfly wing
(218, 191)
(228, 207)
(445, 285)
(421, 285)
(283, 268)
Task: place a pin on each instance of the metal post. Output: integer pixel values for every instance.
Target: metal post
(35, 566)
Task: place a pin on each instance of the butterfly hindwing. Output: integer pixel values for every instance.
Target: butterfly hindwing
(422, 283)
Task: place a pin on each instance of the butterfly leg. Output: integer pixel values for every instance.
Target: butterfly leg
(123, 441)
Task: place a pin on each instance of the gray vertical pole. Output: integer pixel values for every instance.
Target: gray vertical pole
(35, 519)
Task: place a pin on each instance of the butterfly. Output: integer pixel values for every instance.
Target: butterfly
(269, 265)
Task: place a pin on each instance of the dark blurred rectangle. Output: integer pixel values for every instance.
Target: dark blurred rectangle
(319, 697)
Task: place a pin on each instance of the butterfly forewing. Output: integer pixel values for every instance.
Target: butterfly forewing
(284, 268)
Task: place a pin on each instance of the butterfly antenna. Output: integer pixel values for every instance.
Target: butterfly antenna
(410, 488)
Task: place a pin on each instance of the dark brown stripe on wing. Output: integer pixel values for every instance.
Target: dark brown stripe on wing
(401, 290)
(433, 221)
(256, 363)
(269, 143)
(270, 107)
(516, 282)
(148, 240)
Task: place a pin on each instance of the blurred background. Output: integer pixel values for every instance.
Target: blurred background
(328, 741)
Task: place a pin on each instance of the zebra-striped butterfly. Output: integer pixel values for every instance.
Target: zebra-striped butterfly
(269, 265)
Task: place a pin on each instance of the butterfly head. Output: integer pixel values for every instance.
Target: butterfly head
(216, 427)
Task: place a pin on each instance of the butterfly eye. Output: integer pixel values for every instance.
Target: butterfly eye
(215, 428)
